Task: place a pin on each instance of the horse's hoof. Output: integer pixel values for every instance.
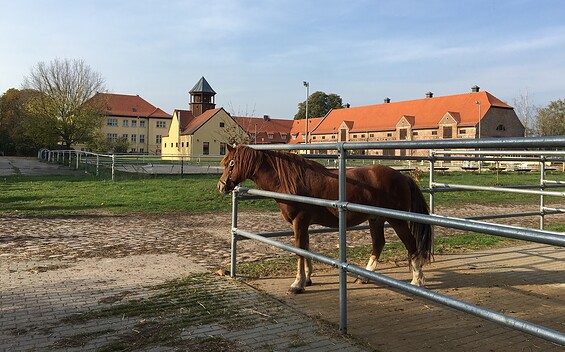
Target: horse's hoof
(309, 283)
(419, 283)
(295, 290)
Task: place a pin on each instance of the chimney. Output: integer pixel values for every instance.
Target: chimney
(387, 100)
(266, 118)
(475, 89)
(429, 95)
(347, 106)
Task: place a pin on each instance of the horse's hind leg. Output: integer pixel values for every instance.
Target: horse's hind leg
(376, 226)
(403, 231)
(418, 278)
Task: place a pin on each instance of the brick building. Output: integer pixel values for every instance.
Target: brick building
(472, 115)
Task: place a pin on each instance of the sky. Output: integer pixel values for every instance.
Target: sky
(256, 54)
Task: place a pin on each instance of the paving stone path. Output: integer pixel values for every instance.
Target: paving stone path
(54, 269)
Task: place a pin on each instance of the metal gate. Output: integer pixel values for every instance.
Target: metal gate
(469, 147)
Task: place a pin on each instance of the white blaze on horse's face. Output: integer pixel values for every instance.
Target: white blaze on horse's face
(226, 184)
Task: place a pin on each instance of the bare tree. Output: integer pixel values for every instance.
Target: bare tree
(234, 134)
(526, 112)
(237, 133)
(64, 105)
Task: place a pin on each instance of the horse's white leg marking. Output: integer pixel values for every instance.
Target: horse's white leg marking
(418, 278)
(299, 283)
(372, 264)
(308, 280)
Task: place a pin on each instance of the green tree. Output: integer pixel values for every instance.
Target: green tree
(64, 108)
(551, 119)
(100, 144)
(319, 104)
(14, 137)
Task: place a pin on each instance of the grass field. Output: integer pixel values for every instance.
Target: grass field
(66, 195)
(85, 194)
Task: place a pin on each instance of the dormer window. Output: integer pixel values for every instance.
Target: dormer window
(133, 109)
(500, 128)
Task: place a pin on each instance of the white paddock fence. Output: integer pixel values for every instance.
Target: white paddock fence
(96, 163)
(517, 150)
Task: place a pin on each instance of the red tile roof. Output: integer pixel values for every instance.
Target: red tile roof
(129, 105)
(185, 118)
(423, 113)
(264, 127)
(299, 128)
(261, 124)
(190, 124)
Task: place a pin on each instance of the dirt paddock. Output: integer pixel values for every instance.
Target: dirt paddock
(120, 253)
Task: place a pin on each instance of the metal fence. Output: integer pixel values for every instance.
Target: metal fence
(520, 148)
(98, 164)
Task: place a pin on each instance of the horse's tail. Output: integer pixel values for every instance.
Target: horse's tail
(423, 233)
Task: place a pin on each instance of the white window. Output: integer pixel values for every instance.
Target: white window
(158, 139)
(141, 138)
(112, 122)
(134, 138)
(141, 123)
(112, 137)
(133, 123)
(125, 123)
(161, 124)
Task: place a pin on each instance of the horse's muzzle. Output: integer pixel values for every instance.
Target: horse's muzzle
(223, 187)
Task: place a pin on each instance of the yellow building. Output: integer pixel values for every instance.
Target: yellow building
(204, 130)
(204, 136)
(133, 118)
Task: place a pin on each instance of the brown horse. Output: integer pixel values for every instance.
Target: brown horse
(374, 185)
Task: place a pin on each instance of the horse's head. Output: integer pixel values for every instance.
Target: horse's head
(231, 176)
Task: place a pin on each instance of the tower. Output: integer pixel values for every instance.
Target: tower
(201, 97)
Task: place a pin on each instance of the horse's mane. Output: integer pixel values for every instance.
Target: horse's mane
(290, 168)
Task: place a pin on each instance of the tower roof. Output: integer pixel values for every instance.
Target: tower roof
(202, 86)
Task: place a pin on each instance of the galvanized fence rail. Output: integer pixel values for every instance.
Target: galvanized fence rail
(95, 163)
(540, 236)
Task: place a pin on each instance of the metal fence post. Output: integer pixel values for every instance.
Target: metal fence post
(233, 234)
(431, 185)
(541, 197)
(113, 165)
(342, 158)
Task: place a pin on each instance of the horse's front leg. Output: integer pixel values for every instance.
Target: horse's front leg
(303, 265)
(377, 228)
